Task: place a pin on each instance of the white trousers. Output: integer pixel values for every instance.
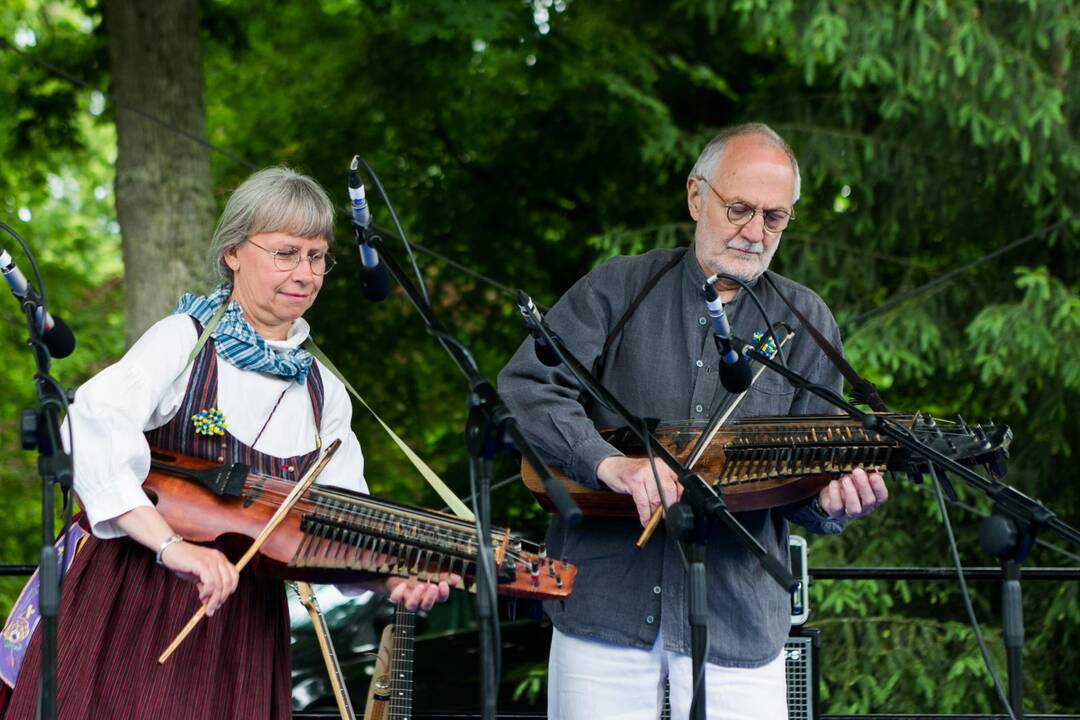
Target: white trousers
(594, 680)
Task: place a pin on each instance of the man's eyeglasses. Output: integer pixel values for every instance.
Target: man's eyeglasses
(739, 213)
(285, 260)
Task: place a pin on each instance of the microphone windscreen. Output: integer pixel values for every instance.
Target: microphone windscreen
(546, 354)
(59, 339)
(374, 282)
(737, 376)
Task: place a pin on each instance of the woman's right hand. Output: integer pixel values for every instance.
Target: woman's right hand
(214, 576)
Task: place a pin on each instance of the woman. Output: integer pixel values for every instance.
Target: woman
(250, 394)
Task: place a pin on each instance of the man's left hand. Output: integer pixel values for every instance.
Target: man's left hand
(419, 594)
(853, 495)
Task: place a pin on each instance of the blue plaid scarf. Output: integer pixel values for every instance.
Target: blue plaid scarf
(237, 341)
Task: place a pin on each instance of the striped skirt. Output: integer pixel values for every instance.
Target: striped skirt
(119, 610)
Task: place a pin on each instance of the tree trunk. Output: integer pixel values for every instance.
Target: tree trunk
(163, 188)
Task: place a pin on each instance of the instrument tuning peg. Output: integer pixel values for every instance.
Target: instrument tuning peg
(930, 424)
(961, 424)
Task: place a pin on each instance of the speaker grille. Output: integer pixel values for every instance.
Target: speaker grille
(799, 671)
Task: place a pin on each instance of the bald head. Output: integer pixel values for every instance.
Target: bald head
(741, 198)
(760, 132)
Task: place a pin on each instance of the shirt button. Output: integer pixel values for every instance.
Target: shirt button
(699, 408)
(701, 321)
(699, 363)
(656, 590)
(649, 619)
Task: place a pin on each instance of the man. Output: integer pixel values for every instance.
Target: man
(624, 628)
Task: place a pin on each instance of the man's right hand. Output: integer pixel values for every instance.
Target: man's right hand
(634, 476)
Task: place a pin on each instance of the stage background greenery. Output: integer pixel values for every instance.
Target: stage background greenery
(529, 140)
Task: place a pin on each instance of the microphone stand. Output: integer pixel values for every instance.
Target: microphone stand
(687, 520)
(40, 429)
(489, 427)
(1007, 534)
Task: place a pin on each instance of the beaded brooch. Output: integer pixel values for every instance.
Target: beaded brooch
(209, 422)
(767, 348)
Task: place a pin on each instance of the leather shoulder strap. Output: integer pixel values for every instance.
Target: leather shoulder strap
(456, 505)
(863, 390)
(647, 288)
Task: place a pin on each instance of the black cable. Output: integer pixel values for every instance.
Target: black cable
(948, 529)
(903, 297)
(652, 464)
(37, 271)
(4, 44)
(965, 596)
(976, 511)
(770, 326)
(942, 279)
(154, 119)
(494, 487)
(485, 555)
(505, 289)
(400, 230)
(660, 490)
(54, 466)
(61, 393)
(447, 338)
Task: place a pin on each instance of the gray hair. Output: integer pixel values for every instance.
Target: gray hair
(716, 147)
(276, 199)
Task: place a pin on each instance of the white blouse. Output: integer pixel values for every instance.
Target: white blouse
(144, 391)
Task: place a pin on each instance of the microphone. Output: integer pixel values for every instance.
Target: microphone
(735, 373)
(545, 353)
(372, 274)
(55, 333)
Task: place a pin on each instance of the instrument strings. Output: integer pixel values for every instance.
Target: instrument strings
(751, 427)
(413, 524)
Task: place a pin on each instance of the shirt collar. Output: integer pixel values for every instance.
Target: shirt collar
(299, 332)
(694, 277)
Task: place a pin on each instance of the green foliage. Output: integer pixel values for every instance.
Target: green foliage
(55, 191)
(918, 663)
(1042, 360)
(530, 686)
(530, 141)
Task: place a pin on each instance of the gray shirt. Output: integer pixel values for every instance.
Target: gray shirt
(664, 365)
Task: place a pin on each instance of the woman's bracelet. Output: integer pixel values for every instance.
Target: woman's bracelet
(171, 540)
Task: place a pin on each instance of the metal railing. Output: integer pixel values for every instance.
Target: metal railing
(933, 574)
